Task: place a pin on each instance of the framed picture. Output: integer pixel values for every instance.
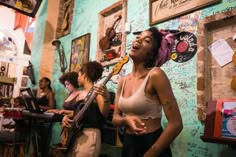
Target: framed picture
(27, 7)
(79, 52)
(65, 16)
(162, 10)
(111, 21)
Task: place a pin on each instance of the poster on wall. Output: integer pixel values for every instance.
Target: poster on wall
(162, 10)
(79, 52)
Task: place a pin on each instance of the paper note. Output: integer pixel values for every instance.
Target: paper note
(221, 51)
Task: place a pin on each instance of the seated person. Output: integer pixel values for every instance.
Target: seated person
(69, 80)
(18, 102)
(13, 129)
(45, 99)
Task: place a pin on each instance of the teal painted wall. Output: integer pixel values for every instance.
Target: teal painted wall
(181, 75)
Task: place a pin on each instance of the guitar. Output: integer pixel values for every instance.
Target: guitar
(77, 127)
(105, 42)
(65, 22)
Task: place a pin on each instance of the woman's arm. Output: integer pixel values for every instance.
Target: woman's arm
(66, 112)
(51, 99)
(103, 100)
(162, 86)
(117, 119)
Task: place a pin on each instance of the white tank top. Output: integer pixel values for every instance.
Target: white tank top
(139, 104)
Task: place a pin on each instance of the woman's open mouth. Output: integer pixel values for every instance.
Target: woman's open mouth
(135, 46)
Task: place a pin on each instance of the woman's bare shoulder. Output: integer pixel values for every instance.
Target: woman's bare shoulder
(157, 75)
(157, 72)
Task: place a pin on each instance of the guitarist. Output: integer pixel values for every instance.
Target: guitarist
(88, 142)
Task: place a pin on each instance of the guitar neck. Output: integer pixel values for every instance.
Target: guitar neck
(92, 95)
(113, 25)
(90, 99)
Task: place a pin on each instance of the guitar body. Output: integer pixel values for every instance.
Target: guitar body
(73, 133)
(75, 129)
(64, 136)
(65, 23)
(110, 33)
(104, 43)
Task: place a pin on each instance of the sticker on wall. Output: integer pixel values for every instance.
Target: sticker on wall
(185, 47)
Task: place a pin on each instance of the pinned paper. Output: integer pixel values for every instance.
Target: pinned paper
(221, 51)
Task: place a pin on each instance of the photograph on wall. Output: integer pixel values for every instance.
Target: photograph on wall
(79, 52)
(162, 10)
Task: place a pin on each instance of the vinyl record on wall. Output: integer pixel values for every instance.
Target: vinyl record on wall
(185, 47)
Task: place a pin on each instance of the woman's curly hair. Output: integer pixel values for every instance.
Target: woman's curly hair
(71, 77)
(93, 70)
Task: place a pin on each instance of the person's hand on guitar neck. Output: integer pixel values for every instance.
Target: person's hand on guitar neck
(102, 90)
(103, 98)
(66, 121)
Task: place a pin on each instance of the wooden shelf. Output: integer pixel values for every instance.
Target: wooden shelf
(7, 80)
(220, 140)
(210, 126)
